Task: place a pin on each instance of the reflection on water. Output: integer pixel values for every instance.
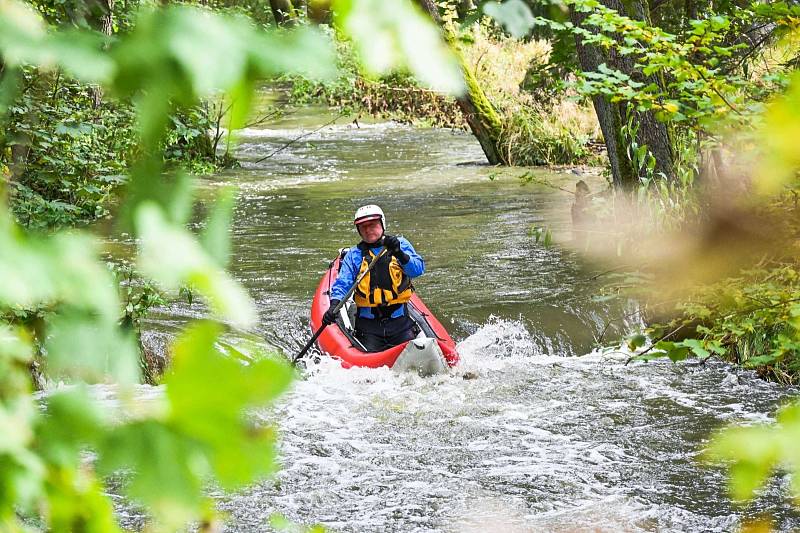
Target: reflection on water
(536, 441)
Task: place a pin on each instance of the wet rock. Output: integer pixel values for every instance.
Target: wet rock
(731, 380)
(471, 374)
(155, 356)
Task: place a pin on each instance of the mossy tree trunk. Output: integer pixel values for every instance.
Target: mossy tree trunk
(482, 118)
(612, 115)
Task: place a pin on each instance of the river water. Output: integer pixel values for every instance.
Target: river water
(528, 433)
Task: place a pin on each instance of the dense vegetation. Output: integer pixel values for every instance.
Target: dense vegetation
(107, 110)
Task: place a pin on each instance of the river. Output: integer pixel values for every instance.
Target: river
(528, 433)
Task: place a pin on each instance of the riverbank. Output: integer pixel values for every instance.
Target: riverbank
(542, 122)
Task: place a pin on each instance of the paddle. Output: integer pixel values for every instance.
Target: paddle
(337, 308)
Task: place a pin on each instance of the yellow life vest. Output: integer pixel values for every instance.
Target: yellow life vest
(386, 284)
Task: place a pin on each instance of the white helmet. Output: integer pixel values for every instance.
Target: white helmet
(369, 212)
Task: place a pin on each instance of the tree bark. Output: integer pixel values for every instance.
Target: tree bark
(612, 115)
(482, 118)
(284, 12)
(464, 8)
(106, 27)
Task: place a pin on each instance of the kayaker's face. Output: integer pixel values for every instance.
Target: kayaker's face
(370, 231)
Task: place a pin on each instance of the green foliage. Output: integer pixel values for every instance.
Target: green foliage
(173, 257)
(706, 78)
(531, 133)
(399, 35)
(753, 320)
(188, 143)
(74, 154)
(542, 234)
(698, 78)
(396, 96)
(779, 131)
(755, 452)
(681, 77)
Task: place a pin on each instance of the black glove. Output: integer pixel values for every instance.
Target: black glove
(330, 317)
(392, 245)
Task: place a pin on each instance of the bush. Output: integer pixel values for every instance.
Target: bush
(752, 320)
(532, 136)
(64, 156)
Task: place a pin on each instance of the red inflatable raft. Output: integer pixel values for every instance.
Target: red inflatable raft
(338, 340)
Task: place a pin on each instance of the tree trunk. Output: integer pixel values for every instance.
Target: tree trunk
(612, 115)
(106, 27)
(284, 12)
(483, 120)
(19, 157)
(464, 8)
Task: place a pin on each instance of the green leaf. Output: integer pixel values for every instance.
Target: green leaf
(24, 40)
(678, 354)
(23, 471)
(166, 468)
(760, 360)
(636, 341)
(241, 97)
(15, 346)
(81, 54)
(391, 34)
(650, 356)
(778, 133)
(9, 89)
(82, 347)
(208, 48)
(77, 502)
(754, 452)
(22, 30)
(697, 347)
(70, 424)
(514, 15)
(239, 451)
(172, 257)
(62, 267)
(216, 237)
(305, 51)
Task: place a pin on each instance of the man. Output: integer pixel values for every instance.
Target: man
(382, 318)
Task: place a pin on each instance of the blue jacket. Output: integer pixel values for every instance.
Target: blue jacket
(351, 264)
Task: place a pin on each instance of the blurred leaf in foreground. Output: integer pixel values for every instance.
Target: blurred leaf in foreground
(173, 257)
(755, 452)
(779, 136)
(240, 450)
(205, 434)
(514, 15)
(393, 34)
